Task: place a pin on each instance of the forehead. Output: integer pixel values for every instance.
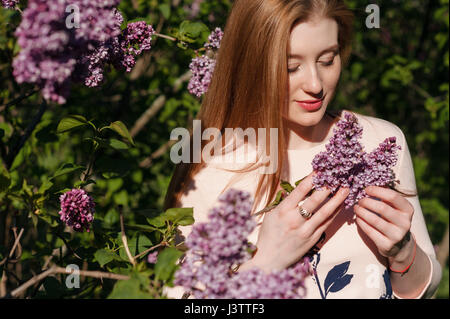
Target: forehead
(311, 37)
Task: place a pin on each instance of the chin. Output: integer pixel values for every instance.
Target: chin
(305, 118)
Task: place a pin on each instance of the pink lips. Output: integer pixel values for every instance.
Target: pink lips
(310, 105)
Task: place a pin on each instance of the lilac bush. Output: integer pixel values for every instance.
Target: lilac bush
(217, 247)
(77, 209)
(346, 164)
(55, 52)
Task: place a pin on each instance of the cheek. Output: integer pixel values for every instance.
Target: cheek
(294, 84)
(331, 76)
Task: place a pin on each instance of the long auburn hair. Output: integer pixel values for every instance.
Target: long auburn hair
(249, 85)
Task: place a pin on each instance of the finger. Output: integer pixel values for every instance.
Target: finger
(390, 197)
(384, 210)
(378, 238)
(387, 229)
(329, 208)
(313, 202)
(298, 193)
(326, 224)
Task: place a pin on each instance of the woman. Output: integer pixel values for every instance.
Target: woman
(278, 67)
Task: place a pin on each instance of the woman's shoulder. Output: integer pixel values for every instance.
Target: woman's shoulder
(376, 130)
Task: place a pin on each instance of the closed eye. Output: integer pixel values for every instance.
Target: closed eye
(328, 63)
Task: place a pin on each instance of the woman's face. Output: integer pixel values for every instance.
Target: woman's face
(314, 68)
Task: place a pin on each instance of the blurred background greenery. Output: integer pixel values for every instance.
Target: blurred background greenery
(398, 72)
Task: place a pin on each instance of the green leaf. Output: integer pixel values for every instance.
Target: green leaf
(300, 180)
(70, 123)
(111, 217)
(46, 185)
(154, 217)
(5, 178)
(121, 129)
(166, 264)
(66, 169)
(103, 256)
(180, 216)
(190, 31)
(286, 186)
(121, 198)
(277, 198)
(111, 143)
(129, 289)
(49, 220)
(165, 10)
(143, 228)
(137, 245)
(81, 184)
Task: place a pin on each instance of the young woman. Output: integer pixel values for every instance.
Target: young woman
(278, 66)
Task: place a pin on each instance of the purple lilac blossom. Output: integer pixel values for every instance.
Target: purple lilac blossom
(55, 52)
(218, 246)
(214, 39)
(9, 4)
(77, 209)
(346, 164)
(135, 39)
(202, 68)
(152, 257)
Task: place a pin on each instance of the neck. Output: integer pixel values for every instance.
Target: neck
(304, 137)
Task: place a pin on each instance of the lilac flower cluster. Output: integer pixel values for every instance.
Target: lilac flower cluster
(202, 67)
(346, 164)
(136, 38)
(77, 209)
(214, 39)
(9, 4)
(217, 247)
(59, 48)
(120, 51)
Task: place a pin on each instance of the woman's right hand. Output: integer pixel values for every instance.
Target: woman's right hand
(285, 236)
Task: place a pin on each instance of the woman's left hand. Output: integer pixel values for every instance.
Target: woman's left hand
(387, 222)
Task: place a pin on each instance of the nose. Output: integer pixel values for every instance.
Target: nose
(312, 82)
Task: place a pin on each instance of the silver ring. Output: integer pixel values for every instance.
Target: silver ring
(304, 212)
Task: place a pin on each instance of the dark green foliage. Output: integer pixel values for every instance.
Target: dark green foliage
(398, 72)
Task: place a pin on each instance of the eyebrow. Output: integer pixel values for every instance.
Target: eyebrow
(333, 48)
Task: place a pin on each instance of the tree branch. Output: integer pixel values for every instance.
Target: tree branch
(159, 152)
(18, 99)
(124, 239)
(16, 243)
(157, 105)
(165, 36)
(60, 270)
(150, 249)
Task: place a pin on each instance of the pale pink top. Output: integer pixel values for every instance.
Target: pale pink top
(346, 251)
